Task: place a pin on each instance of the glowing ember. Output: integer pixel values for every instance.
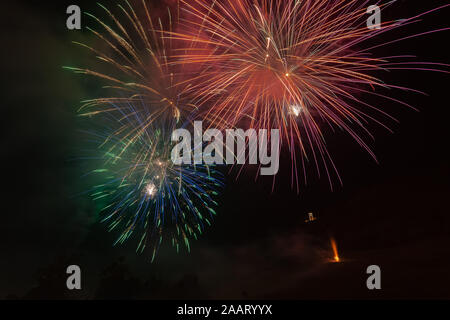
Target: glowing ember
(295, 110)
(150, 189)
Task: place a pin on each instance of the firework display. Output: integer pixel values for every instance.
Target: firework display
(300, 67)
(225, 158)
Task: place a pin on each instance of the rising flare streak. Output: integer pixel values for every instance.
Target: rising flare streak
(298, 66)
(335, 251)
(142, 192)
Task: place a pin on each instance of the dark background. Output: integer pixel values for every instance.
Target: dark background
(393, 214)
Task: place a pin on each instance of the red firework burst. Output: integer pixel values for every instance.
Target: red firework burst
(297, 66)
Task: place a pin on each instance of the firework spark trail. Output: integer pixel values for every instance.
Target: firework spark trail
(135, 59)
(142, 192)
(291, 65)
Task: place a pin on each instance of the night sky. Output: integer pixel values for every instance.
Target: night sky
(393, 214)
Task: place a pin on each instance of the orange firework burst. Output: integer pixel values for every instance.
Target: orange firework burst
(297, 66)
